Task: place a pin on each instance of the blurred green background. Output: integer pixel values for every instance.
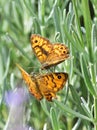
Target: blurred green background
(71, 22)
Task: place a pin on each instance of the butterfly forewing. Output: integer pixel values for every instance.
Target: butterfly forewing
(31, 84)
(41, 47)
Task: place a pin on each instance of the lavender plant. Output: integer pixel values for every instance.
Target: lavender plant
(71, 22)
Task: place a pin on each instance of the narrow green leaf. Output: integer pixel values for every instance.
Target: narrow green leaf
(86, 76)
(95, 112)
(54, 120)
(86, 108)
(44, 106)
(7, 66)
(88, 26)
(94, 46)
(78, 22)
(66, 109)
(76, 98)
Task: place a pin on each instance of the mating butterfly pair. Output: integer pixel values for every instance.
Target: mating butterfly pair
(46, 85)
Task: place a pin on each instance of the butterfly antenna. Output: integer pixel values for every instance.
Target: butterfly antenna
(32, 67)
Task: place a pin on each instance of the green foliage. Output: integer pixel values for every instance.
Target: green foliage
(72, 23)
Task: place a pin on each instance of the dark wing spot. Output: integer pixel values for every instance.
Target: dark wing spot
(61, 47)
(36, 41)
(64, 51)
(59, 77)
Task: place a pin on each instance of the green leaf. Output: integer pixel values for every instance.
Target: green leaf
(54, 119)
(86, 76)
(66, 109)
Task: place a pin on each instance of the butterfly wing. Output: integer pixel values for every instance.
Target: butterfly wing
(31, 83)
(51, 83)
(41, 47)
(47, 53)
(58, 54)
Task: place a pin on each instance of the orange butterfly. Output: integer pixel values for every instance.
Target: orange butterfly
(48, 54)
(44, 85)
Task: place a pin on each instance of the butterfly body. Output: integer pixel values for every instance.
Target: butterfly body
(48, 54)
(44, 85)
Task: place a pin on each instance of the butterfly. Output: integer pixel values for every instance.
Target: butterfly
(47, 53)
(44, 85)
